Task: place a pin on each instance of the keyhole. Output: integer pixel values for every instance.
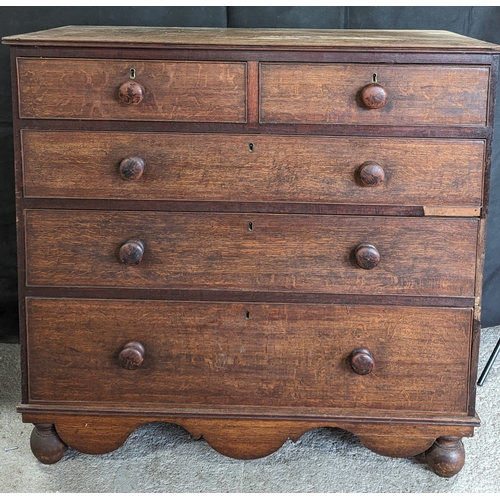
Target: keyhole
(250, 226)
(374, 78)
(247, 315)
(250, 147)
(132, 73)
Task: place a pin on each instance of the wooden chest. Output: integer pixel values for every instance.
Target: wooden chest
(251, 234)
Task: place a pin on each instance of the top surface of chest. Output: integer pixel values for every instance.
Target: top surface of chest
(400, 40)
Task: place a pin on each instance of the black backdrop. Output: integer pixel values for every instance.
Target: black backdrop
(478, 22)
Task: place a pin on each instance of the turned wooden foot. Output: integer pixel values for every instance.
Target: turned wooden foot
(46, 444)
(446, 456)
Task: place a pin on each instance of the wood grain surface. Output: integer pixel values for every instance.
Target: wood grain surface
(250, 438)
(193, 247)
(294, 253)
(418, 94)
(144, 36)
(86, 89)
(249, 354)
(254, 167)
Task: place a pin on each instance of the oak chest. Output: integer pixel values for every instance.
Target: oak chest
(251, 234)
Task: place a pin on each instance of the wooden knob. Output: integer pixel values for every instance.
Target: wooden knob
(132, 355)
(374, 96)
(131, 92)
(371, 174)
(131, 252)
(362, 361)
(132, 168)
(366, 255)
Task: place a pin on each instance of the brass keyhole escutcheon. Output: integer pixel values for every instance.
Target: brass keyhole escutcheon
(132, 73)
(250, 226)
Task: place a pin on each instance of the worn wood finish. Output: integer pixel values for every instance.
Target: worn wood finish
(379, 40)
(299, 253)
(446, 457)
(85, 89)
(371, 174)
(263, 122)
(131, 252)
(373, 95)
(362, 361)
(19, 226)
(234, 207)
(271, 297)
(132, 167)
(274, 168)
(367, 256)
(46, 445)
(328, 93)
(262, 54)
(246, 439)
(249, 354)
(131, 92)
(33, 412)
(132, 355)
(252, 91)
(319, 129)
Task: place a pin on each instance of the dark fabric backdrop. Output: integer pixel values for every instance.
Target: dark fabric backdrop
(477, 22)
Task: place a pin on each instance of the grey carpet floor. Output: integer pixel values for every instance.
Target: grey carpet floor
(164, 458)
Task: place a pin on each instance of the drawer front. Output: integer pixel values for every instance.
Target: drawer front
(417, 94)
(252, 168)
(219, 354)
(88, 89)
(256, 252)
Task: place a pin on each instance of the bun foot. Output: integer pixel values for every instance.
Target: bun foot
(46, 444)
(446, 456)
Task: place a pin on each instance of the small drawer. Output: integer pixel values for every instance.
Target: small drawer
(99, 89)
(312, 357)
(252, 252)
(253, 168)
(403, 95)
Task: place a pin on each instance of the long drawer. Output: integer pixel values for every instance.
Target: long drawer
(256, 252)
(416, 94)
(259, 355)
(89, 89)
(263, 168)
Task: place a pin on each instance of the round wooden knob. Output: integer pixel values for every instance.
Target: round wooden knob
(362, 361)
(132, 355)
(131, 252)
(366, 255)
(132, 168)
(374, 96)
(131, 92)
(371, 174)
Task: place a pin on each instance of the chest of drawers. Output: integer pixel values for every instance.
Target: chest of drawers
(251, 234)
